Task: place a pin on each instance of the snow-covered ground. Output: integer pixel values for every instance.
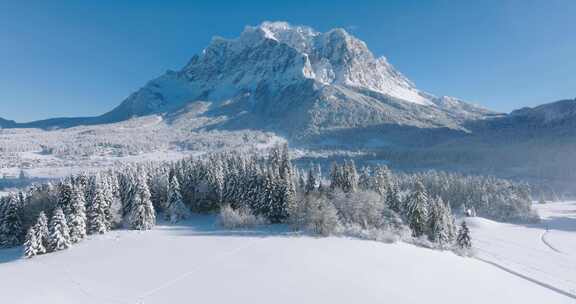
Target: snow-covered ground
(197, 262)
(544, 252)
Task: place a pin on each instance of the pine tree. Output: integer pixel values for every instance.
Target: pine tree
(310, 182)
(59, 232)
(142, 215)
(10, 223)
(393, 199)
(32, 245)
(336, 177)
(381, 181)
(65, 197)
(97, 219)
(126, 189)
(463, 240)
(417, 213)
(176, 209)
(301, 180)
(439, 223)
(109, 186)
(42, 232)
(350, 177)
(365, 179)
(77, 217)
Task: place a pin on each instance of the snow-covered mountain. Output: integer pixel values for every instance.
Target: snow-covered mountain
(545, 121)
(552, 113)
(289, 79)
(297, 81)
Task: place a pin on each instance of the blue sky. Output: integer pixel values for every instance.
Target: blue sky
(78, 58)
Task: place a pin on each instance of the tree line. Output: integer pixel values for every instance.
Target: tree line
(371, 203)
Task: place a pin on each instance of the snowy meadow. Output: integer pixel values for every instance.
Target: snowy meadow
(231, 211)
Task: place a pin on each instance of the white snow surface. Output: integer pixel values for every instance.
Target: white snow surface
(544, 252)
(198, 262)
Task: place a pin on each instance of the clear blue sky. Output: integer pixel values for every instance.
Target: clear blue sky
(77, 58)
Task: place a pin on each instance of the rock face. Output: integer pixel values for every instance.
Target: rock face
(296, 81)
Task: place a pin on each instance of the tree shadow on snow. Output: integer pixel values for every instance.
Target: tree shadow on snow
(10, 254)
(207, 225)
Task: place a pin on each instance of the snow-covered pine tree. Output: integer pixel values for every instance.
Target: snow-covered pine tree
(82, 182)
(32, 245)
(393, 199)
(417, 210)
(381, 180)
(266, 196)
(282, 200)
(77, 218)
(285, 169)
(97, 219)
(142, 215)
(158, 185)
(65, 196)
(176, 210)
(463, 241)
(42, 232)
(11, 230)
(126, 189)
(59, 238)
(311, 183)
(365, 179)
(336, 177)
(439, 222)
(452, 228)
(113, 209)
(350, 177)
(301, 180)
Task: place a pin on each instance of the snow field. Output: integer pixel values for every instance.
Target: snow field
(198, 262)
(544, 252)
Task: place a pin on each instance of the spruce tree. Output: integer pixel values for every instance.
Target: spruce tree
(381, 181)
(11, 230)
(42, 232)
(416, 212)
(336, 177)
(301, 180)
(97, 213)
(393, 199)
(109, 186)
(350, 177)
(463, 240)
(32, 245)
(77, 217)
(365, 179)
(176, 209)
(142, 215)
(439, 222)
(59, 232)
(65, 191)
(310, 182)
